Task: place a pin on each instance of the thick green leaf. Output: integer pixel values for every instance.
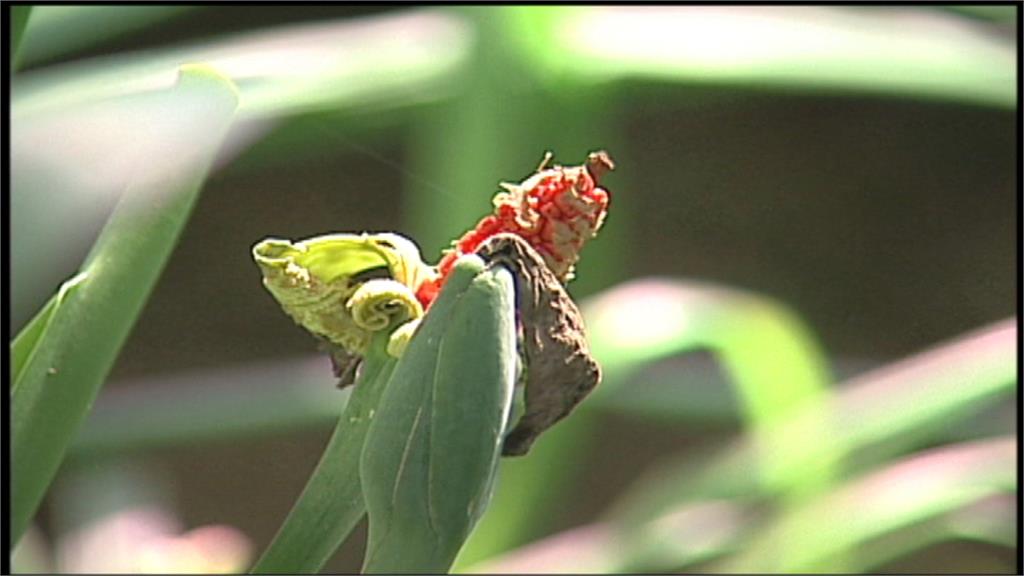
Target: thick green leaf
(430, 456)
(469, 149)
(83, 336)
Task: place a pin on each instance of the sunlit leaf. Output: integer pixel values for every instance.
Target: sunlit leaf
(770, 357)
(935, 387)
(992, 520)
(898, 52)
(27, 341)
(370, 62)
(83, 336)
(909, 491)
(706, 530)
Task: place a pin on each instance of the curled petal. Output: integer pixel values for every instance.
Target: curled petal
(334, 257)
(314, 281)
(380, 304)
(401, 336)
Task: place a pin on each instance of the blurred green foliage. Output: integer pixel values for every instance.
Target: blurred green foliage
(823, 476)
(77, 337)
(19, 19)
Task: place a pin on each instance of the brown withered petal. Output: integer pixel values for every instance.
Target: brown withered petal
(560, 371)
(345, 364)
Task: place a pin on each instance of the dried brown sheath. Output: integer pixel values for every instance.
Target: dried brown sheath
(344, 364)
(560, 371)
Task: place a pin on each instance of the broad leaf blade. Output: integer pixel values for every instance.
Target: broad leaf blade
(429, 460)
(472, 399)
(63, 375)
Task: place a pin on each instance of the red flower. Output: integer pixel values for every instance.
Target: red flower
(556, 210)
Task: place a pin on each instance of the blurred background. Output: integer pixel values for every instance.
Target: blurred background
(803, 297)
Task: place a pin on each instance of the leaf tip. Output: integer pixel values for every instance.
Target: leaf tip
(199, 73)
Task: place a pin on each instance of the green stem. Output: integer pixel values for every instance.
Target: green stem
(332, 501)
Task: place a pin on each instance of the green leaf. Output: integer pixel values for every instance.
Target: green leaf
(770, 356)
(703, 511)
(914, 53)
(992, 520)
(83, 335)
(27, 341)
(912, 490)
(19, 20)
(937, 387)
(430, 456)
(355, 64)
(884, 405)
(709, 530)
(1004, 14)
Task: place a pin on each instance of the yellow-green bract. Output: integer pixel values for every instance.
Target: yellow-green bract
(318, 283)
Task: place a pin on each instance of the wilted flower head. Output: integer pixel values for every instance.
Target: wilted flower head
(346, 287)
(323, 283)
(556, 210)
